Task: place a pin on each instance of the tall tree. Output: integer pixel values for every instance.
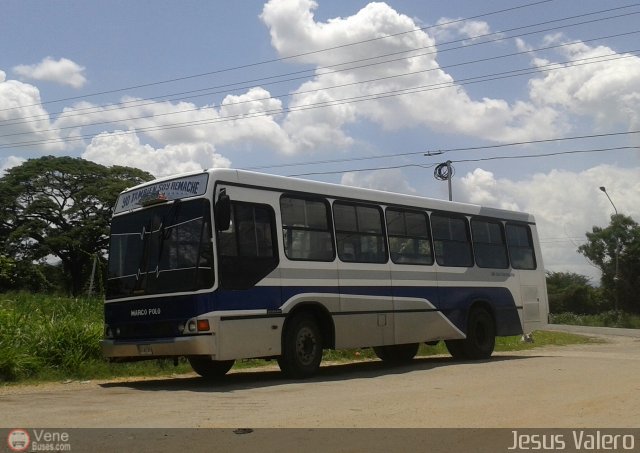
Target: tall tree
(61, 207)
(615, 250)
(571, 292)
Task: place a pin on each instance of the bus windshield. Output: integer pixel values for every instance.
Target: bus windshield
(162, 249)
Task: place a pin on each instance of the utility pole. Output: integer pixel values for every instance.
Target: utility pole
(443, 172)
(93, 274)
(449, 179)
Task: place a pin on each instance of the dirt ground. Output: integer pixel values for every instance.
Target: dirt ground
(593, 385)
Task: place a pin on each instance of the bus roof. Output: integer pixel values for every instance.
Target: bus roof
(290, 184)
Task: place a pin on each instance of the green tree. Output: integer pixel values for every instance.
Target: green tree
(7, 273)
(61, 207)
(615, 250)
(571, 292)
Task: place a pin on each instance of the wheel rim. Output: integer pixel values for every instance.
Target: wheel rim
(306, 346)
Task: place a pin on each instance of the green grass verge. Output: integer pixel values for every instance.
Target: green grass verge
(607, 319)
(51, 338)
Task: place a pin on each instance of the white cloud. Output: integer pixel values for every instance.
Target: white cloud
(608, 92)
(23, 120)
(10, 162)
(388, 180)
(124, 148)
(566, 205)
(62, 71)
(294, 31)
(448, 29)
(250, 118)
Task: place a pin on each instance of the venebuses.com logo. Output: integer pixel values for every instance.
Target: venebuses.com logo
(18, 440)
(38, 440)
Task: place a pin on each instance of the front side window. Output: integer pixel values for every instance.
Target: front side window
(520, 246)
(247, 249)
(163, 249)
(451, 240)
(489, 244)
(306, 229)
(409, 239)
(359, 233)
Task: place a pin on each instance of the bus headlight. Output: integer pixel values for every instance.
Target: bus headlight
(192, 326)
(108, 333)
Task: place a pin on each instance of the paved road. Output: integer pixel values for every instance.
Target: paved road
(594, 385)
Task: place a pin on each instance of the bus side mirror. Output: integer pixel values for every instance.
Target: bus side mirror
(223, 211)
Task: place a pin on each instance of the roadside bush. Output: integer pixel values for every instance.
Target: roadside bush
(609, 318)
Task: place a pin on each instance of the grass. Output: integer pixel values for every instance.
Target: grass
(52, 338)
(607, 319)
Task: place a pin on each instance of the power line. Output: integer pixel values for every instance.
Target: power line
(557, 153)
(498, 35)
(275, 60)
(137, 103)
(338, 102)
(282, 95)
(442, 151)
(469, 160)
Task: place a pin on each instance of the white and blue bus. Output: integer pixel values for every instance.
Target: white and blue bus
(224, 264)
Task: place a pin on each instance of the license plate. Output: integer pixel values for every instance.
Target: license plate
(145, 349)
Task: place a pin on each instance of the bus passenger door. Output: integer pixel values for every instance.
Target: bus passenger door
(248, 276)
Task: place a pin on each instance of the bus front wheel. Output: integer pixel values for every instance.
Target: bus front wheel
(481, 337)
(301, 347)
(210, 369)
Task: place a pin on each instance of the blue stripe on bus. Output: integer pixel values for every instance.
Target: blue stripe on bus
(453, 302)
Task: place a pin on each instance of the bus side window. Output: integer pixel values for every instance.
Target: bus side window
(248, 248)
(489, 244)
(409, 239)
(306, 229)
(520, 246)
(359, 233)
(451, 240)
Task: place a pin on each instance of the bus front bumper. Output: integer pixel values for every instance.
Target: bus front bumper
(160, 347)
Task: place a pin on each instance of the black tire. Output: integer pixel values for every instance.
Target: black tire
(481, 337)
(210, 369)
(301, 347)
(456, 349)
(397, 353)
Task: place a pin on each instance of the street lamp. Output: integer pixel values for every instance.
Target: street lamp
(605, 192)
(617, 251)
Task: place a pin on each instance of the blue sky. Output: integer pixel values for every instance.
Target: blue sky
(273, 83)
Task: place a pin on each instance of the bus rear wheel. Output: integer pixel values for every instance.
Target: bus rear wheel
(301, 347)
(481, 337)
(210, 369)
(397, 353)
